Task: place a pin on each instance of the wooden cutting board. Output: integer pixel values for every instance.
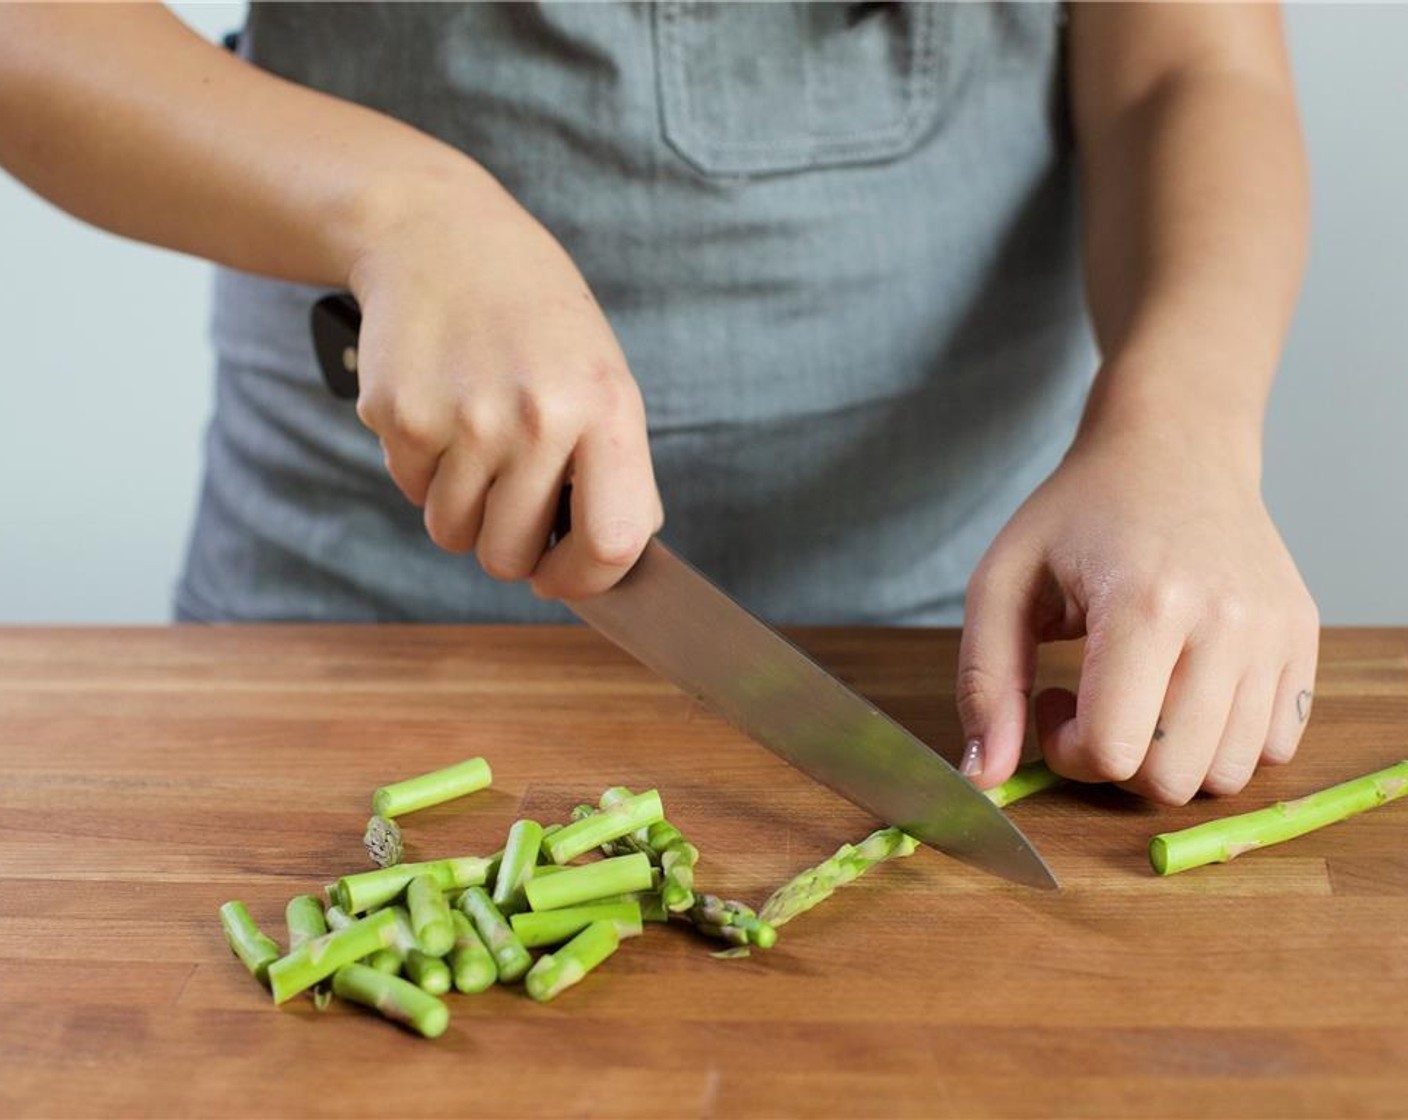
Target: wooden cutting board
(148, 775)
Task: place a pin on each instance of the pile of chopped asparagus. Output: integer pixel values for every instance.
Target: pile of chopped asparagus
(398, 938)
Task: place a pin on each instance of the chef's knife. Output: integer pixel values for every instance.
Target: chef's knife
(672, 619)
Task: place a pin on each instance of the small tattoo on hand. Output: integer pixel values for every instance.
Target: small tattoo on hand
(1158, 732)
(1303, 698)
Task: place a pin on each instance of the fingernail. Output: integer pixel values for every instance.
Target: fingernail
(972, 764)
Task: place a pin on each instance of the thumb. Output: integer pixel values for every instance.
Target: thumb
(996, 667)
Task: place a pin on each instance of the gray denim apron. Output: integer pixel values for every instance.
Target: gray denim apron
(838, 244)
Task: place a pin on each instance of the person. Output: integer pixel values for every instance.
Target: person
(816, 268)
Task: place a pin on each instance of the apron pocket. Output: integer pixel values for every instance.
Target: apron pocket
(770, 88)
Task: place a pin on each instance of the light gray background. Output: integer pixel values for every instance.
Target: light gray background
(105, 382)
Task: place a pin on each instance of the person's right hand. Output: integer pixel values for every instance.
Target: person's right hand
(492, 378)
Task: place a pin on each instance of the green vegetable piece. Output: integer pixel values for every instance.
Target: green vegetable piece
(383, 842)
(1029, 779)
(388, 961)
(509, 954)
(430, 915)
(551, 927)
(394, 998)
(429, 974)
(592, 881)
(368, 889)
(338, 918)
(1221, 840)
(730, 921)
(472, 966)
(520, 856)
(322, 956)
(660, 842)
(621, 819)
(400, 798)
(305, 920)
(254, 948)
(850, 861)
(556, 972)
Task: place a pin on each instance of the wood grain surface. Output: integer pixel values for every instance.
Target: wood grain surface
(147, 775)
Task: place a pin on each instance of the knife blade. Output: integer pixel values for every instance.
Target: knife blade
(676, 622)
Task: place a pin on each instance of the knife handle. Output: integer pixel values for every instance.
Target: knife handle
(336, 323)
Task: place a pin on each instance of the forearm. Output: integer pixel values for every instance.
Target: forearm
(1194, 194)
(125, 118)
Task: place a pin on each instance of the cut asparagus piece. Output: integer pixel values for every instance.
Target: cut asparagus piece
(388, 961)
(429, 974)
(367, 889)
(520, 856)
(548, 830)
(556, 972)
(338, 918)
(1029, 779)
(817, 884)
(400, 798)
(472, 966)
(430, 915)
(622, 818)
(257, 950)
(396, 999)
(305, 920)
(652, 909)
(661, 842)
(551, 927)
(731, 921)
(321, 957)
(576, 885)
(303, 915)
(383, 842)
(1221, 840)
(509, 954)
(677, 860)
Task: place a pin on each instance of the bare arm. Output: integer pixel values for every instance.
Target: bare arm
(1151, 539)
(125, 118)
(1195, 201)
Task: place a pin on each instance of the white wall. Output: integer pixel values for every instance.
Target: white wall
(105, 381)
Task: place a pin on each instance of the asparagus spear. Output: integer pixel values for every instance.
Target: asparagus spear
(520, 856)
(383, 841)
(1029, 779)
(509, 954)
(731, 921)
(818, 883)
(305, 920)
(554, 926)
(556, 972)
(430, 916)
(592, 881)
(429, 974)
(304, 917)
(388, 961)
(366, 889)
(661, 842)
(338, 918)
(421, 792)
(393, 997)
(621, 818)
(472, 966)
(254, 948)
(1221, 840)
(322, 956)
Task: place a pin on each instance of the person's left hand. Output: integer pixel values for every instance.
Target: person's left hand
(1153, 542)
